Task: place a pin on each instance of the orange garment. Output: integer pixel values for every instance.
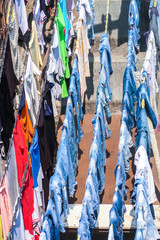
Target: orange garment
(26, 124)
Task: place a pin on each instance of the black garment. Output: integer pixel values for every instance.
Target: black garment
(47, 140)
(6, 111)
(8, 68)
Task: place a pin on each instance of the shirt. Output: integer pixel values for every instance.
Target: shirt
(22, 15)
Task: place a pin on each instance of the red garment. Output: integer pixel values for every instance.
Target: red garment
(21, 151)
(21, 160)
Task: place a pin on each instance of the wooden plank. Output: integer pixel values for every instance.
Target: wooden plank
(103, 218)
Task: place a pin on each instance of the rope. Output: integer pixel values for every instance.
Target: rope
(107, 13)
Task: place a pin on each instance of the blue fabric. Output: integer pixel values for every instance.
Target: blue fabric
(142, 93)
(84, 230)
(64, 163)
(50, 222)
(35, 159)
(47, 110)
(67, 22)
(105, 59)
(73, 91)
(117, 223)
(58, 193)
(69, 124)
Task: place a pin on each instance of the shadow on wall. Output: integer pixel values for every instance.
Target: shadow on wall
(121, 24)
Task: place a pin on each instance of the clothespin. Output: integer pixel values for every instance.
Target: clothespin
(97, 117)
(155, 3)
(95, 136)
(116, 189)
(79, 237)
(119, 167)
(90, 172)
(143, 103)
(140, 208)
(139, 227)
(85, 203)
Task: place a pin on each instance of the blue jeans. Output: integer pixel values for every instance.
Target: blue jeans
(142, 93)
(117, 223)
(50, 222)
(84, 230)
(118, 203)
(69, 124)
(58, 193)
(64, 164)
(74, 91)
(105, 59)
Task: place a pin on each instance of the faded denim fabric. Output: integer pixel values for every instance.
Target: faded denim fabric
(139, 234)
(129, 84)
(120, 175)
(118, 203)
(133, 10)
(58, 193)
(74, 90)
(147, 224)
(50, 223)
(105, 59)
(64, 163)
(69, 124)
(84, 231)
(96, 151)
(93, 170)
(142, 93)
(117, 223)
(128, 118)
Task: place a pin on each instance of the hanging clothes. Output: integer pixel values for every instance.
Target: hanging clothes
(31, 90)
(5, 207)
(47, 139)
(22, 15)
(26, 125)
(63, 51)
(12, 177)
(6, 112)
(34, 47)
(39, 17)
(18, 231)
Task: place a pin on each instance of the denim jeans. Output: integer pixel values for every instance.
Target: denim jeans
(129, 84)
(93, 171)
(64, 164)
(50, 223)
(84, 231)
(69, 124)
(77, 82)
(158, 17)
(96, 151)
(128, 118)
(140, 189)
(118, 203)
(139, 234)
(73, 91)
(105, 59)
(117, 223)
(133, 11)
(142, 93)
(58, 193)
(120, 175)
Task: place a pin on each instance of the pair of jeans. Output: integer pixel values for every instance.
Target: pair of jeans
(150, 232)
(118, 203)
(84, 231)
(129, 85)
(58, 193)
(133, 13)
(128, 118)
(74, 91)
(105, 59)
(64, 164)
(96, 157)
(97, 151)
(93, 171)
(50, 228)
(101, 97)
(158, 17)
(120, 175)
(131, 52)
(115, 220)
(69, 124)
(142, 93)
(91, 197)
